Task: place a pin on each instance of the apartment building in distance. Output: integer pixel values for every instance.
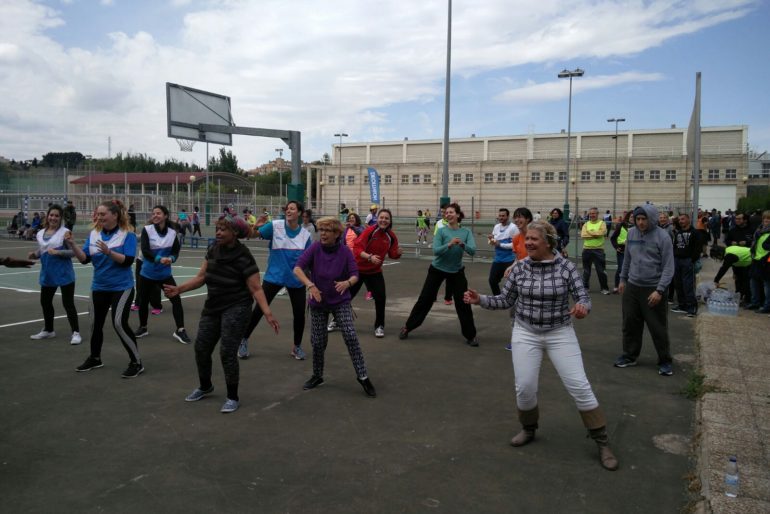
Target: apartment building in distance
(486, 173)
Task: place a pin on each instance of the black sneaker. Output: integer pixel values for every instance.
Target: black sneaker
(403, 334)
(313, 382)
(368, 387)
(181, 336)
(679, 310)
(141, 332)
(472, 342)
(134, 369)
(89, 364)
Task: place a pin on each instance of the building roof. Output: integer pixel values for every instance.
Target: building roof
(139, 178)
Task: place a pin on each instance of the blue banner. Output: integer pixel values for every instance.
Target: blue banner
(374, 185)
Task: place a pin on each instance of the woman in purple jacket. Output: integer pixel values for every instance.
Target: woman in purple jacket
(333, 272)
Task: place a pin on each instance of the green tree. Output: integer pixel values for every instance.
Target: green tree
(227, 162)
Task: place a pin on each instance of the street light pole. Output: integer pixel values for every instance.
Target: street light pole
(339, 174)
(280, 176)
(577, 72)
(615, 171)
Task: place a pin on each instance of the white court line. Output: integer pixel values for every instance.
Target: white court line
(58, 293)
(37, 320)
(19, 273)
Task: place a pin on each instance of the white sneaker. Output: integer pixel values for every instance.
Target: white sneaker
(43, 335)
(282, 292)
(76, 339)
(379, 332)
(332, 326)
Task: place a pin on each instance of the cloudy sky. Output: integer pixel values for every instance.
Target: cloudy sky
(73, 72)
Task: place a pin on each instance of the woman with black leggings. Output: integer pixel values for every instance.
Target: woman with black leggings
(56, 273)
(111, 248)
(160, 249)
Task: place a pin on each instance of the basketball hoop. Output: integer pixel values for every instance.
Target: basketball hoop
(185, 145)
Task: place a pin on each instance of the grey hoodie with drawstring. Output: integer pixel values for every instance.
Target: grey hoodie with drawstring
(649, 260)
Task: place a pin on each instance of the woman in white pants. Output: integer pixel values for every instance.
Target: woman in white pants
(538, 288)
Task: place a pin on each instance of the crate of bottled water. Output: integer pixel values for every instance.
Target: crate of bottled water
(723, 303)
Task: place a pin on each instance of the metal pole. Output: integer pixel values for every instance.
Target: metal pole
(577, 72)
(339, 173)
(445, 171)
(615, 181)
(208, 201)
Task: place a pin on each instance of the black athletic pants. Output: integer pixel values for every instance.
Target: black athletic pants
(375, 284)
(149, 288)
(120, 303)
(297, 298)
(67, 298)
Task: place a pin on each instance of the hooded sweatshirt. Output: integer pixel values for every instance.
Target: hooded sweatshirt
(649, 260)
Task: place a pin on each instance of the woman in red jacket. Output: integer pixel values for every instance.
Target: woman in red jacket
(370, 249)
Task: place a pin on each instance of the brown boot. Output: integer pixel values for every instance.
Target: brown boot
(528, 419)
(596, 424)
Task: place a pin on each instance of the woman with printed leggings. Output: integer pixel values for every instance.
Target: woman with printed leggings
(56, 272)
(288, 239)
(231, 276)
(111, 248)
(333, 270)
(160, 248)
(370, 249)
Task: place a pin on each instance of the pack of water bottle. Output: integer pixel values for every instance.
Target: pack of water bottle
(722, 302)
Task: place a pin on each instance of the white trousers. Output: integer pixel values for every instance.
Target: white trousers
(562, 347)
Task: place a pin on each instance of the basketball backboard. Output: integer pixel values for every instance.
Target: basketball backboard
(187, 108)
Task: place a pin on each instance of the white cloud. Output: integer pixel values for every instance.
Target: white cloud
(308, 65)
(556, 90)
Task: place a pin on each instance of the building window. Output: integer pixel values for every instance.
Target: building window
(514, 176)
(404, 179)
(638, 175)
(457, 177)
(600, 176)
(654, 175)
(731, 174)
(700, 175)
(351, 180)
(387, 179)
(670, 175)
(585, 176)
(501, 177)
(535, 176)
(549, 175)
(332, 180)
(427, 179)
(615, 175)
(562, 176)
(713, 174)
(487, 177)
(415, 179)
(366, 179)
(469, 177)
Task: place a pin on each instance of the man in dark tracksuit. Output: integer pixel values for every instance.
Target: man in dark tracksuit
(648, 268)
(687, 249)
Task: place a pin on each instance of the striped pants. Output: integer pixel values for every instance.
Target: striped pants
(319, 335)
(120, 303)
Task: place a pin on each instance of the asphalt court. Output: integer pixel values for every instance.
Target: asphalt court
(434, 440)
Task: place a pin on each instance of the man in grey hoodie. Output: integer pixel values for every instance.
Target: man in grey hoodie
(647, 271)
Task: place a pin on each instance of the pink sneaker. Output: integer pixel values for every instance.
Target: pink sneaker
(155, 312)
(134, 307)
(369, 295)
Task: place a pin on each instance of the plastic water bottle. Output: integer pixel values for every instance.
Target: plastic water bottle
(731, 477)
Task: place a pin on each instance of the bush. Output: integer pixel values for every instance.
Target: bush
(755, 201)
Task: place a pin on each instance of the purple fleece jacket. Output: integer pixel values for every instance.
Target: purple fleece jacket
(327, 265)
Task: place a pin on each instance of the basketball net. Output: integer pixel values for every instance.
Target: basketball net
(185, 145)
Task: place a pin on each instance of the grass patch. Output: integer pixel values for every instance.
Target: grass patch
(696, 386)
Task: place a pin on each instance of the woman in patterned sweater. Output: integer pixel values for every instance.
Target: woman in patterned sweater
(539, 287)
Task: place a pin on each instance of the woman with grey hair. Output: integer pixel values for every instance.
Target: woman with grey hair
(538, 288)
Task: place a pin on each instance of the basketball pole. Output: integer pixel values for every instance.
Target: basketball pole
(208, 202)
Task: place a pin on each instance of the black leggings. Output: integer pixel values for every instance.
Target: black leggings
(458, 284)
(120, 303)
(375, 284)
(67, 298)
(147, 289)
(154, 295)
(297, 297)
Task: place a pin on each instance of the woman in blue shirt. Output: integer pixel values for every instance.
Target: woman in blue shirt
(56, 272)
(160, 249)
(111, 248)
(449, 244)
